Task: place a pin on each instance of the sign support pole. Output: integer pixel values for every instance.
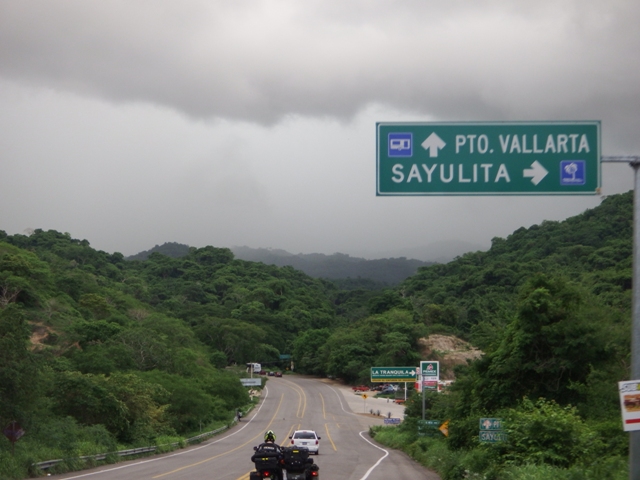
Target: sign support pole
(422, 388)
(634, 439)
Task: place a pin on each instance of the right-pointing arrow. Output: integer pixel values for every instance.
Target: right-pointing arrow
(537, 172)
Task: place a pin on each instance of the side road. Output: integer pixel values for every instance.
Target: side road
(365, 406)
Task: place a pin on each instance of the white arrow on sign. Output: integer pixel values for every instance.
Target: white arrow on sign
(537, 172)
(433, 143)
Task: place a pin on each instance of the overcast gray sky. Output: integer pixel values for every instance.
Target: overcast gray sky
(224, 123)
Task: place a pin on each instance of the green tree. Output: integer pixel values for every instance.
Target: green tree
(553, 343)
(125, 404)
(308, 351)
(19, 367)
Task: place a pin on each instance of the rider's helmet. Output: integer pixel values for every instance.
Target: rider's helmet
(269, 436)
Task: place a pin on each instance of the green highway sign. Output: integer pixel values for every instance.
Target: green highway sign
(490, 424)
(492, 436)
(428, 427)
(393, 374)
(491, 430)
(488, 158)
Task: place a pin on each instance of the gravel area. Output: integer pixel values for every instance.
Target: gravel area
(364, 406)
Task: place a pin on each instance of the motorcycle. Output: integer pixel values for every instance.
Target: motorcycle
(267, 461)
(311, 472)
(271, 460)
(298, 465)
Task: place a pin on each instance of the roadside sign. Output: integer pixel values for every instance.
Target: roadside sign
(251, 382)
(430, 371)
(428, 427)
(393, 374)
(488, 158)
(490, 424)
(444, 428)
(391, 421)
(13, 431)
(630, 404)
(492, 437)
(491, 430)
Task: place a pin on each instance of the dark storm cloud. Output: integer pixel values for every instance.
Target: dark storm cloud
(263, 60)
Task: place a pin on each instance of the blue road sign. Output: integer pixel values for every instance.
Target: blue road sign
(400, 144)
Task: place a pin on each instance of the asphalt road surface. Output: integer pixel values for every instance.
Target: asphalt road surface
(289, 403)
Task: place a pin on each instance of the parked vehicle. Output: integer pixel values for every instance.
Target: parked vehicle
(255, 367)
(387, 390)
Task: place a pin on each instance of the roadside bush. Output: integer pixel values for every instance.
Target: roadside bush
(546, 433)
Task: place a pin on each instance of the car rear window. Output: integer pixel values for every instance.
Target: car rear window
(305, 435)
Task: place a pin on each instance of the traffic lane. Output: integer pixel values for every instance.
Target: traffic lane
(226, 457)
(347, 452)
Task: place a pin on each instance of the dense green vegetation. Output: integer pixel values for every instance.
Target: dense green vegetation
(98, 352)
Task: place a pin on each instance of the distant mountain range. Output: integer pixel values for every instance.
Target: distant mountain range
(436, 252)
(339, 266)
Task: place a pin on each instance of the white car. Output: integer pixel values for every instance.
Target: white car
(306, 438)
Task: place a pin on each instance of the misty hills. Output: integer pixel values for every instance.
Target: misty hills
(339, 266)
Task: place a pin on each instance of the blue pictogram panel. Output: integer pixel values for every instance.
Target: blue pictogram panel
(573, 172)
(400, 144)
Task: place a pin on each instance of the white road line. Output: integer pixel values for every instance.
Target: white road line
(386, 454)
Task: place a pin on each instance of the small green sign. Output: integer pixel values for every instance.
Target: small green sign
(493, 436)
(430, 370)
(428, 428)
(491, 430)
(393, 374)
(490, 424)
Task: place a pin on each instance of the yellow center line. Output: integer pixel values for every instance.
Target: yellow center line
(326, 427)
(302, 396)
(289, 433)
(324, 415)
(224, 453)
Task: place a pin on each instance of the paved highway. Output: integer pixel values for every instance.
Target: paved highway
(288, 403)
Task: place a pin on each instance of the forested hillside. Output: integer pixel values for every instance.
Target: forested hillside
(98, 352)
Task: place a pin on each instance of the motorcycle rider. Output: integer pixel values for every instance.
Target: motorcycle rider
(271, 448)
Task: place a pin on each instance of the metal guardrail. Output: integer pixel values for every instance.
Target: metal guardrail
(134, 451)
